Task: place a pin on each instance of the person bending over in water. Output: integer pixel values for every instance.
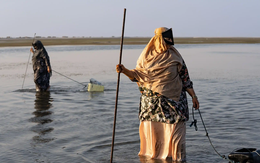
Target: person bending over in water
(41, 66)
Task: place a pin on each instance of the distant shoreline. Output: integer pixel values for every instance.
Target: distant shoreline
(9, 42)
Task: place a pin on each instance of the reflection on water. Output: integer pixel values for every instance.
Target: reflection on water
(42, 117)
(95, 95)
(144, 159)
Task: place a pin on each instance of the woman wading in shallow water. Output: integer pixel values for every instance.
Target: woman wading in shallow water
(163, 79)
(41, 66)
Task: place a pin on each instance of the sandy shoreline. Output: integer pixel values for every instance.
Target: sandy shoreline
(7, 42)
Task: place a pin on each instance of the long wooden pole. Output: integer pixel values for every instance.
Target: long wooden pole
(117, 89)
(28, 62)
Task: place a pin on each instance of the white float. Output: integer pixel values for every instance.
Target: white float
(95, 86)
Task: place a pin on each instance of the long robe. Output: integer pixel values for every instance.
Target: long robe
(162, 77)
(41, 61)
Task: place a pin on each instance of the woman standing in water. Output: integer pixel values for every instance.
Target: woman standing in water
(41, 66)
(163, 80)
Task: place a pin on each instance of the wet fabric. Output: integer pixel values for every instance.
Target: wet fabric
(41, 61)
(158, 66)
(161, 140)
(158, 108)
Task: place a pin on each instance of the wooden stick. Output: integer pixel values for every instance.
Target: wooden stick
(27, 63)
(117, 89)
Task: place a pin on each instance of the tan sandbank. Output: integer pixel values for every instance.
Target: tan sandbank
(6, 42)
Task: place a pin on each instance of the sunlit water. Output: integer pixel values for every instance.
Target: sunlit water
(69, 124)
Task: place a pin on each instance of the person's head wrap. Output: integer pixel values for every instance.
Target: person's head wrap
(158, 41)
(37, 44)
(158, 66)
(40, 52)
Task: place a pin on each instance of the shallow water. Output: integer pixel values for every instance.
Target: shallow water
(69, 124)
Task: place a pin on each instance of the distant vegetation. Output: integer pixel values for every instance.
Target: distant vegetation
(52, 40)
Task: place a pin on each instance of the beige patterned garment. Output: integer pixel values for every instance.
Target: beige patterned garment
(158, 66)
(161, 140)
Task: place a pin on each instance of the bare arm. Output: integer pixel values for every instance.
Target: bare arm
(195, 101)
(32, 50)
(121, 69)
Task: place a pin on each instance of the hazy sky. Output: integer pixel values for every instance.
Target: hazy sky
(96, 18)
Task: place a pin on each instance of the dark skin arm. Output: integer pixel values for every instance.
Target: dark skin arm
(195, 101)
(121, 69)
(32, 50)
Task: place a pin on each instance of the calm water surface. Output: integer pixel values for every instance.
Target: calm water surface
(69, 124)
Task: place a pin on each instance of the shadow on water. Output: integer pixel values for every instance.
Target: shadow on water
(42, 117)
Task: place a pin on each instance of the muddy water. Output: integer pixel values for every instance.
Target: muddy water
(69, 124)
